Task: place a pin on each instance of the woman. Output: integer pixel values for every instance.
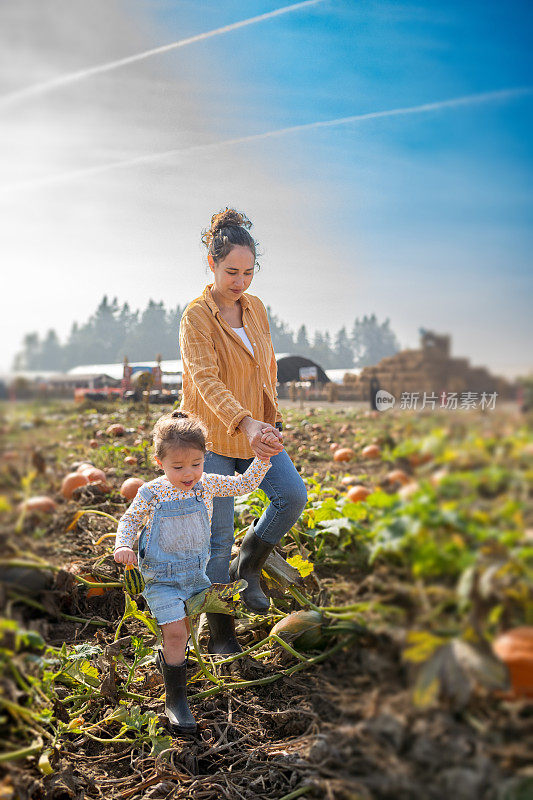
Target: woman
(229, 381)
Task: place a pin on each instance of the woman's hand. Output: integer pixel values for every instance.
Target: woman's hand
(125, 555)
(271, 438)
(254, 430)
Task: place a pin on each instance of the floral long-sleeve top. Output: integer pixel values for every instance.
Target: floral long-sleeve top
(141, 512)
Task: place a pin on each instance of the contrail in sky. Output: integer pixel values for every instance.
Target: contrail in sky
(455, 102)
(73, 77)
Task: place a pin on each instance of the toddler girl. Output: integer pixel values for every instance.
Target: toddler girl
(174, 543)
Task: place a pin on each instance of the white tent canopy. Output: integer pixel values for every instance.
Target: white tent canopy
(116, 370)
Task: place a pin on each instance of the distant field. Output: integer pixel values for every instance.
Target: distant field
(412, 558)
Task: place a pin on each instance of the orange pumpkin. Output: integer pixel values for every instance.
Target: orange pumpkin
(44, 505)
(94, 475)
(84, 466)
(397, 476)
(71, 482)
(95, 591)
(371, 451)
(116, 429)
(515, 649)
(416, 459)
(130, 487)
(343, 454)
(358, 493)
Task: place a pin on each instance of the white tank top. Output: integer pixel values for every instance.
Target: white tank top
(242, 333)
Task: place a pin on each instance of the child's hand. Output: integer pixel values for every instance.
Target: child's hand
(125, 555)
(270, 438)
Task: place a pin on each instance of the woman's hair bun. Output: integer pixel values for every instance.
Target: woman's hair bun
(229, 229)
(229, 219)
(180, 415)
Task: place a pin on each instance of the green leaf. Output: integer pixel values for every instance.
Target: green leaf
(44, 764)
(5, 505)
(380, 499)
(337, 526)
(131, 610)
(158, 739)
(423, 645)
(355, 511)
(218, 598)
(83, 672)
(453, 671)
(303, 566)
(280, 572)
(85, 650)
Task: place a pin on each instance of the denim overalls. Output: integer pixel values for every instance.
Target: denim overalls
(173, 555)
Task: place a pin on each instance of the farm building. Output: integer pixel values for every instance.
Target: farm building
(297, 368)
(431, 368)
(163, 375)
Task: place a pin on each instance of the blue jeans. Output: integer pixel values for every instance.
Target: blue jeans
(284, 488)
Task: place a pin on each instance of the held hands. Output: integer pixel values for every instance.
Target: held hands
(255, 430)
(269, 437)
(125, 555)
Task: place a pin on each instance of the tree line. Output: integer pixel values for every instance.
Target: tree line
(114, 331)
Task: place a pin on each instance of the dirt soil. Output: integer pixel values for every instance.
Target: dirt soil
(345, 729)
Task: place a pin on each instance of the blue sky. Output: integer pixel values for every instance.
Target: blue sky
(422, 218)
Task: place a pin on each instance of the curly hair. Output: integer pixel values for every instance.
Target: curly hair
(229, 229)
(178, 429)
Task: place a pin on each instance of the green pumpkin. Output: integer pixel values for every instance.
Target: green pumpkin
(133, 580)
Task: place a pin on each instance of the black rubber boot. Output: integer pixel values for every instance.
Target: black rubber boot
(222, 640)
(252, 555)
(176, 705)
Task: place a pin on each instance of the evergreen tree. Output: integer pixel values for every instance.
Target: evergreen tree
(372, 341)
(113, 332)
(129, 321)
(282, 337)
(173, 328)
(106, 331)
(150, 334)
(320, 351)
(51, 355)
(302, 346)
(29, 356)
(343, 350)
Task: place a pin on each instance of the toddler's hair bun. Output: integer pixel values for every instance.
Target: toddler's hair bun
(178, 429)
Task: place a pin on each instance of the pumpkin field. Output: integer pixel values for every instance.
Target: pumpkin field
(395, 662)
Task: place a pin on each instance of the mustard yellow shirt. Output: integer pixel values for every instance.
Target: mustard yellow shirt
(222, 381)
